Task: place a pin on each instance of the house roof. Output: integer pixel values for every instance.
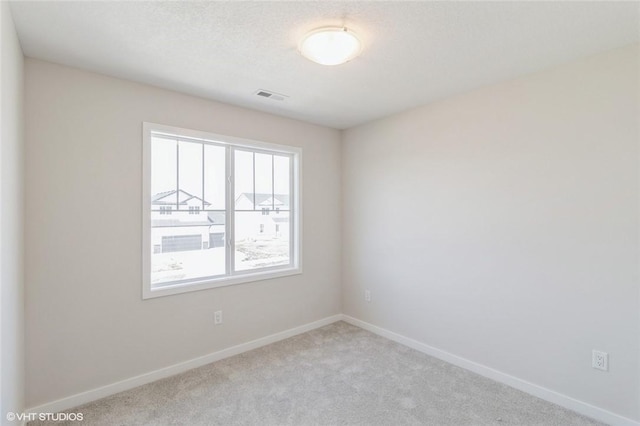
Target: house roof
(213, 218)
(264, 199)
(177, 223)
(216, 218)
(164, 198)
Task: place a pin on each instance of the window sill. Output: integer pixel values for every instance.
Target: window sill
(218, 282)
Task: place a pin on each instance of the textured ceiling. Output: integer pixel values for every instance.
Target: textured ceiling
(414, 52)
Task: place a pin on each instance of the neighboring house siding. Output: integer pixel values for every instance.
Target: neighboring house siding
(182, 223)
(176, 228)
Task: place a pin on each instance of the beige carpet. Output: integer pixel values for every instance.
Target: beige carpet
(335, 375)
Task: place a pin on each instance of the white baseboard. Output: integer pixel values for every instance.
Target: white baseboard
(104, 391)
(530, 388)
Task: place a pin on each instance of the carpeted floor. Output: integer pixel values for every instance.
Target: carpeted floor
(335, 375)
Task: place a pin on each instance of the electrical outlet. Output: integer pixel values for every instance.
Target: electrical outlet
(367, 295)
(600, 360)
(217, 317)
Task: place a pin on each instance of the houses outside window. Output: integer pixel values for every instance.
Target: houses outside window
(233, 207)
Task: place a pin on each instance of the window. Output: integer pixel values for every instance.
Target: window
(217, 210)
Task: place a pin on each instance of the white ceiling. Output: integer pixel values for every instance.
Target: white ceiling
(414, 53)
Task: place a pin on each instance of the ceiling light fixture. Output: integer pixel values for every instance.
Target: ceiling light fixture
(330, 45)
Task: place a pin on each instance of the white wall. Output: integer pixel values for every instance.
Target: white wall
(11, 219)
(87, 325)
(502, 226)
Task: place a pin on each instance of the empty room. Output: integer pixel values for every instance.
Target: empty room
(320, 213)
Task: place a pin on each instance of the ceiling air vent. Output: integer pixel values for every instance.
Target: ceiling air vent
(271, 95)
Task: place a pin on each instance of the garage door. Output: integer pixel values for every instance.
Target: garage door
(181, 243)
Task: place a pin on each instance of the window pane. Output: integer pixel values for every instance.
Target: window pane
(163, 173)
(190, 175)
(262, 240)
(187, 245)
(281, 182)
(264, 184)
(214, 177)
(243, 180)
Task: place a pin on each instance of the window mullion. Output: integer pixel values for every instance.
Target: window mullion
(177, 175)
(230, 212)
(293, 213)
(203, 169)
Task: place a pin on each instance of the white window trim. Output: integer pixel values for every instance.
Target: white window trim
(234, 277)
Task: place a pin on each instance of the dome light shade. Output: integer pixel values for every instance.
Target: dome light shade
(330, 46)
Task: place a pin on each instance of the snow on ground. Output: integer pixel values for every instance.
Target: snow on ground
(250, 254)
